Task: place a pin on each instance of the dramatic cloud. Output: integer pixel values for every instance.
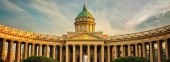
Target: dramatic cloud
(113, 17)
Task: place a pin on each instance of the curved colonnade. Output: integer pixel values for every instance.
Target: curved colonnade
(21, 44)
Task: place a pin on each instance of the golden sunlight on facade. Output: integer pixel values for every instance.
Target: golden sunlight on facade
(16, 45)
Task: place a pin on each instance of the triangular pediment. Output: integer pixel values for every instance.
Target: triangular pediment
(85, 36)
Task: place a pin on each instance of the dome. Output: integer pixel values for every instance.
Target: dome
(84, 22)
(84, 13)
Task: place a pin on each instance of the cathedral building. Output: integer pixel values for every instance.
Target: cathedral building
(85, 41)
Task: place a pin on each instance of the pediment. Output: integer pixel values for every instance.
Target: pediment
(85, 36)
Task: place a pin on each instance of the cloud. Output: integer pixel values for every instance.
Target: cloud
(58, 21)
(146, 12)
(12, 6)
(113, 17)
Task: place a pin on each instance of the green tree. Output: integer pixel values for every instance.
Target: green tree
(39, 59)
(130, 59)
(1, 60)
(167, 60)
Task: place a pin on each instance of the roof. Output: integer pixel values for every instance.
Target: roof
(84, 13)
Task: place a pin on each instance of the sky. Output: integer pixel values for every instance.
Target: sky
(112, 17)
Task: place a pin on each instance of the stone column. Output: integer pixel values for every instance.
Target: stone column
(159, 49)
(93, 27)
(133, 49)
(112, 54)
(86, 27)
(108, 53)
(61, 57)
(67, 52)
(88, 47)
(136, 50)
(151, 52)
(47, 50)
(167, 51)
(40, 50)
(116, 52)
(102, 48)
(95, 53)
(32, 49)
(122, 50)
(18, 51)
(76, 28)
(129, 50)
(74, 53)
(25, 50)
(3, 49)
(139, 48)
(10, 51)
(144, 50)
(54, 52)
(81, 56)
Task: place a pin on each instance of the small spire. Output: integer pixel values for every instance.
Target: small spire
(84, 8)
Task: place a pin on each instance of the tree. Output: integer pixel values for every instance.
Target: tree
(39, 59)
(167, 60)
(130, 59)
(1, 60)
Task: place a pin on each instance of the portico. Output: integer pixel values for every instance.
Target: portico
(77, 48)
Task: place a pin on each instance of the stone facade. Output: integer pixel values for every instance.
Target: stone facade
(71, 47)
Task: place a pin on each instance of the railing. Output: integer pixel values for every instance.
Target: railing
(28, 35)
(141, 35)
(45, 37)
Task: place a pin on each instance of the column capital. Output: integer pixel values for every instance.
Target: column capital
(102, 44)
(95, 45)
(66, 45)
(47, 44)
(158, 41)
(122, 45)
(61, 45)
(53, 45)
(18, 42)
(115, 45)
(73, 45)
(12, 40)
(136, 43)
(108, 46)
(33, 43)
(151, 42)
(88, 45)
(143, 42)
(165, 39)
(80, 45)
(129, 44)
(40, 44)
(4, 39)
(26, 43)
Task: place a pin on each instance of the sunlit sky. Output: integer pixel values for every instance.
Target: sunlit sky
(57, 17)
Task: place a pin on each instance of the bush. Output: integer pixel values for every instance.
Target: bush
(130, 59)
(167, 60)
(1, 60)
(39, 59)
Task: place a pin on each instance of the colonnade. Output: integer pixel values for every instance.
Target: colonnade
(99, 53)
(85, 27)
(11, 50)
(85, 50)
(143, 49)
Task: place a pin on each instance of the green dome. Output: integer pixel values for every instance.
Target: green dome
(84, 13)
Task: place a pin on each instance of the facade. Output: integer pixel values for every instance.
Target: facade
(16, 45)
